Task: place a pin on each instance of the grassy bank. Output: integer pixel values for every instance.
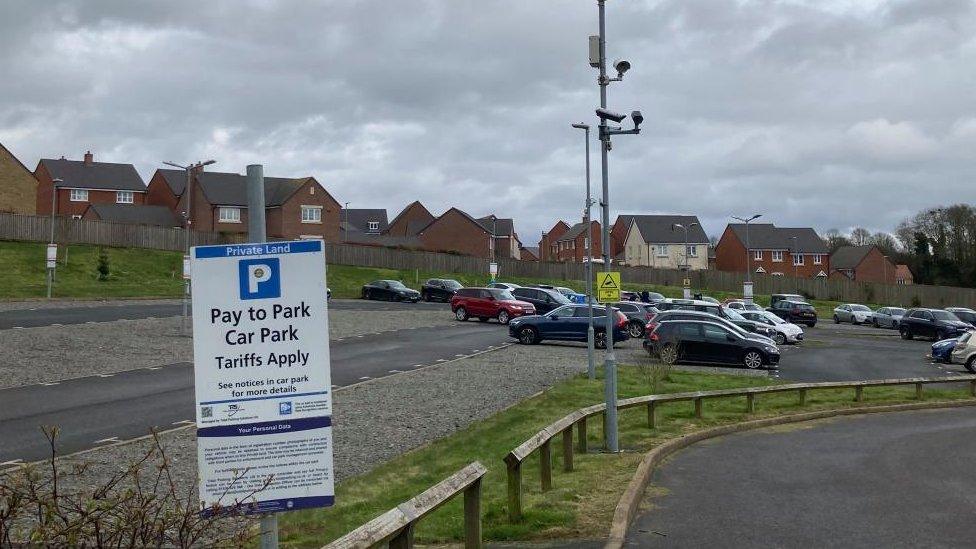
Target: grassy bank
(581, 503)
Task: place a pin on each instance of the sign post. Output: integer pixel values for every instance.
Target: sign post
(747, 291)
(687, 288)
(262, 376)
(52, 263)
(493, 271)
(608, 287)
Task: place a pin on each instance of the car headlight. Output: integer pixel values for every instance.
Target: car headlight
(771, 349)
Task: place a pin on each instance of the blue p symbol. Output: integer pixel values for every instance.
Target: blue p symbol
(259, 278)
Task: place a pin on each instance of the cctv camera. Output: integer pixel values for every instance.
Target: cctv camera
(604, 114)
(637, 117)
(622, 66)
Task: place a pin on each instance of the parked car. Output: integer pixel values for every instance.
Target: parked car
(942, 350)
(389, 290)
(965, 352)
(571, 294)
(439, 289)
(740, 305)
(934, 323)
(638, 315)
(741, 327)
(797, 312)
(328, 294)
(543, 299)
(964, 314)
(567, 323)
(651, 297)
(887, 317)
(626, 295)
(710, 342)
(785, 332)
(773, 299)
(486, 303)
(504, 285)
(853, 313)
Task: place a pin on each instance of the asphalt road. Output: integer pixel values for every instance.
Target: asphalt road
(32, 318)
(887, 480)
(103, 409)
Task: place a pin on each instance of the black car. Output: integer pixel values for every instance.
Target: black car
(544, 299)
(638, 315)
(389, 290)
(934, 323)
(439, 289)
(964, 314)
(567, 323)
(710, 342)
(748, 328)
(776, 298)
(797, 312)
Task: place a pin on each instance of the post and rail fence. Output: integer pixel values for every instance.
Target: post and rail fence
(32, 228)
(541, 442)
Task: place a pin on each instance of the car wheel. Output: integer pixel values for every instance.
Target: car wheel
(461, 314)
(811, 324)
(528, 336)
(753, 360)
(780, 339)
(366, 294)
(600, 340)
(905, 333)
(425, 296)
(503, 317)
(669, 354)
(836, 319)
(876, 324)
(635, 330)
(971, 364)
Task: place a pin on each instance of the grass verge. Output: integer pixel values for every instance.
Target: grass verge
(581, 503)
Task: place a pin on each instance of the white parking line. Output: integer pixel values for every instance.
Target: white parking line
(395, 372)
(18, 327)
(460, 356)
(335, 386)
(56, 324)
(476, 351)
(183, 422)
(441, 360)
(105, 375)
(154, 367)
(11, 462)
(51, 383)
(417, 366)
(104, 440)
(364, 377)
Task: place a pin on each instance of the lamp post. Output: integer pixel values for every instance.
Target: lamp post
(51, 265)
(598, 59)
(793, 257)
(188, 222)
(747, 287)
(686, 267)
(345, 226)
(590, 362)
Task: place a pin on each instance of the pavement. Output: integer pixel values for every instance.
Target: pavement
(53, 316)
(106, 408)
(886, 480)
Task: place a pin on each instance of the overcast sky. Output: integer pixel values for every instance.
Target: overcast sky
(814, 113)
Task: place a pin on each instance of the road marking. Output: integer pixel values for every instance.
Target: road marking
(476, 351)
(460, 356)
(183, 422)
(417, 366)
(335, 386)
(364, 377)
(105, 375)
(104, 440)
(395, 372)
(153, 367)
(51, 383)
(359, 336)
(441, 360)
(18, 327)
(56, 324)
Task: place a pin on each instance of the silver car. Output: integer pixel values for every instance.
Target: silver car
(853, 313)
(887, 317)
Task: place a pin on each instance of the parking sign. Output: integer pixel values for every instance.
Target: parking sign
(261, 367)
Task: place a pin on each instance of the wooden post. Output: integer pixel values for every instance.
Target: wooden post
(568, 449)
(750, 403)
(472, 516)
(404, 539)
(652, 415)
(803, 397)
(972, 388)
(918, 391)
(581, 435)
(603, 422)
(859, 394)
(698, 408)
(545, 466)
(514, 491)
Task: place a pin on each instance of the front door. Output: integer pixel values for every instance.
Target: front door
(717, 347)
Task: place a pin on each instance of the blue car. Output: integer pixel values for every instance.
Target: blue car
(942, 350)
(567, 323)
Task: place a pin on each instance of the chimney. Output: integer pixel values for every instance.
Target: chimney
(89, 158)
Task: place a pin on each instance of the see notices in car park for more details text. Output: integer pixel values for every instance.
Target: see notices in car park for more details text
(262, 376)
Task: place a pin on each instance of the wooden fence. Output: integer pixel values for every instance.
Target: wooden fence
(541, 442)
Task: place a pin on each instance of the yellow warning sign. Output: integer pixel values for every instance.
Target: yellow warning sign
(608, 287)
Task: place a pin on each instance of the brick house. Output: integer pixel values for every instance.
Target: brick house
(456, 231)
(903, 275)
(529, 253)
(410, 221)
(571, 246)
(166, 188)
(618, 234)
(294, 208)
(18, 187)
(86, 182)
(367, 221)
(862, 263)
(137, 214)
(506, 241)
(773, 250)
(654, 241)
(547, 248)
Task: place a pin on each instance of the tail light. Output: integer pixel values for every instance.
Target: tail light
(621, 320)
(649, 316)
(653, 337)
(649, 330)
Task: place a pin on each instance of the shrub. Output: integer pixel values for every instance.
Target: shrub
(103, 267)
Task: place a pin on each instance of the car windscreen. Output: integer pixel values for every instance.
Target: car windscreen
(965, 316)
(895, 311)
(734, 315)
(944, 315)
(501, 295)
(562, 312)
(774, 318)
(654, 296)
(859, 308)
(557, 297)
(396, 284)
(452, 285)
(801, 306)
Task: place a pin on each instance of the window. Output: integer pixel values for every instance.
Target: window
(311, 214)
(123, 197)
(373, 225)
(691, 251)
(798, 259)
(757, 255)
(777, 255)
(78, 195)
(662, 250)
(714, 333)
(76, 217)
(229, 215)
(817, 259)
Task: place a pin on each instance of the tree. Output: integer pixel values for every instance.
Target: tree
(835, 240)
(886, 242)
(860, 236)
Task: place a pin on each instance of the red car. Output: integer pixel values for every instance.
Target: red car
(485, 303)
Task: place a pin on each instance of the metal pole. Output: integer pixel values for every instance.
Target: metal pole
(186, 248)
(54, 202)
(610, 361)
(686, 247)
(588, 220)
(748, 256)
(256, 233)
(793, 257)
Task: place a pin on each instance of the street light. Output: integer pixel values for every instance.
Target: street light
(51, 265)
(345, 226)
(598, 58)
(591, 364)
(188, 222)
(793, 257)
(747, 293)
(680, 226)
